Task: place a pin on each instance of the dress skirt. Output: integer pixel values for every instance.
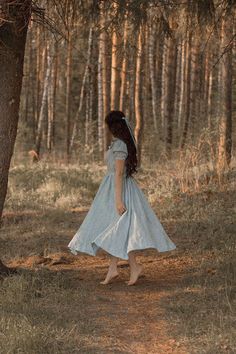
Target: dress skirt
(138, 228)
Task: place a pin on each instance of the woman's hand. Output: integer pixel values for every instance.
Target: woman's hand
(120, 207)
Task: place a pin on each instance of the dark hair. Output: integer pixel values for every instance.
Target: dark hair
(120, 130)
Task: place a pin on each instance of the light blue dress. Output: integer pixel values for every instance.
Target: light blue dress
(138, 228)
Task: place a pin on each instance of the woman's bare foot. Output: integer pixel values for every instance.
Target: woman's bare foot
(135, 273)
(112, 274)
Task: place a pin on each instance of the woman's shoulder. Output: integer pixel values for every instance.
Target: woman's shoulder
(119, 144)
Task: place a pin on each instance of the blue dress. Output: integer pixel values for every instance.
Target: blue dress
(138, 228)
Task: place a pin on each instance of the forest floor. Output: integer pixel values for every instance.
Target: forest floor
(183, 303)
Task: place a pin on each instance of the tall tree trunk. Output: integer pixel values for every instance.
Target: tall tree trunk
(145, 111)
(44, 101)
(138, 116)
(100, 96)
(123, 67)
(82, 90)
(55, 76)
(39, 58)
(181, 85)
(194, 90)
(187, 90)
(163, 85)
(171, 87)
(209, 101)
(105, 93)
(159, 62)
(151, 46)
(86, 127)
(51, 99)
(91, 97)
(68, 92)
(225, 122)
(208, 90)
(130, 88)
(114, 75)
(114, 70)
(13, 31)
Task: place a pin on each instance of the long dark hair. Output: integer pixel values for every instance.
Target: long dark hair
(120, 130)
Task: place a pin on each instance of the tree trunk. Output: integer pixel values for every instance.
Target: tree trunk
(105, 94)
(208, 90)
(163, 86)
(86, 127)
(13, 31)
(171, 86)
(194, 90)
(68, 92)
(187, 91)
(138, 116)
(130, 88)
(100, 96)
(123, 68)
(82, 90)
(44, 101)
(181, 86)
(151, 46)
(225, 122)
(114, 70)
(145, 111)
(54, 76)
(91, 98)
(51, 99)
(38, 68)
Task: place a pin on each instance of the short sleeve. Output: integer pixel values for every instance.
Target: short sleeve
(120, 150)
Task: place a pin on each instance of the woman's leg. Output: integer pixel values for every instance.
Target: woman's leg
(112, 271)
(135, 268)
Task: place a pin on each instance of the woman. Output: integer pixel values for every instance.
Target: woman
(120, 219)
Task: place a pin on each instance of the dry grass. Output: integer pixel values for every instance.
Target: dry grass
(184, 303)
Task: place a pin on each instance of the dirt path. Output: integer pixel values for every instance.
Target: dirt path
(125, 319)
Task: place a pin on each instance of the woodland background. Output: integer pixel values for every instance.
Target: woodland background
(170, 67)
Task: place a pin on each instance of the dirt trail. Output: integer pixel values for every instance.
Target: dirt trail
(126, 319)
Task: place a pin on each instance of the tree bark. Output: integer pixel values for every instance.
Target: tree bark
(123, 68)
(138, 116)
(163, 86)
(194, 89)
(13, 31)
(100, 96)
(44, 101)
(187, 90)
(51, 99)
(181, 86)
(151, 46)
(82, 90)
(105, 93)
(171, 87)
(114, 70)
(225, 122)
(68, 92)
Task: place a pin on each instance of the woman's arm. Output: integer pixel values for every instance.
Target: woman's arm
(119, 171)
